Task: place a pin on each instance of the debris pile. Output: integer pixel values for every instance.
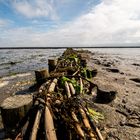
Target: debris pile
(60, 110)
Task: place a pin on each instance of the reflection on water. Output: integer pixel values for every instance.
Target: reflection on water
(22, 60)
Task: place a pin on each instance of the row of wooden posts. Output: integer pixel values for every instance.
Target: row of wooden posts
(13, 115)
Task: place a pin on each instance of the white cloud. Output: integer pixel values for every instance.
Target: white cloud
(4, 22)
(35, 9)
(110, 22)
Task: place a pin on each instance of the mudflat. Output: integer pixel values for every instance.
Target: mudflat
(122, 115)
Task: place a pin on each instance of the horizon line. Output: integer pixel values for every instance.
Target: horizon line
(69, 47)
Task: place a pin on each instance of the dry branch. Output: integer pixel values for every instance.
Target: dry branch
(95, 127)
(52, 86)
(49, 125)
(33, 135)
(81, 86)
(77, 125)
(23, 131)
(86, 123)
(72, 89)
(67, 89)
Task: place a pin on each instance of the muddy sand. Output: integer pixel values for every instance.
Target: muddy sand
(122, 115)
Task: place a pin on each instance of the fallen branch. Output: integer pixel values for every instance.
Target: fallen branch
(94, 126)
(33, 135)
(75, 73)
(72, 88)
(77, 125)
(49, 125)
(67, 89)
(52, 86)
(23, 131)
(86, 123)
(81, 86)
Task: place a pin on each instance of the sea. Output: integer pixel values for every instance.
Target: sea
(13, 61)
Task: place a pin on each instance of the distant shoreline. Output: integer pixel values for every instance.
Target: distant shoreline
(103, 47)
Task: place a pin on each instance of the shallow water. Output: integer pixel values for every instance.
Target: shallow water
(14, 61)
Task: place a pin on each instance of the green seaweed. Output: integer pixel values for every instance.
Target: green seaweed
(73, 81)
(95, 115)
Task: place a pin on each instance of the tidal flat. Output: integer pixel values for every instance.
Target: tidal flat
(118, 69)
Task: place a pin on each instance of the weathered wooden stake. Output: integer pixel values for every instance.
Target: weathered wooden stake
(13, 109)
(41, 76)
(52, 64)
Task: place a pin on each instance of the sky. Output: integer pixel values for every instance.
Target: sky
(69, 23)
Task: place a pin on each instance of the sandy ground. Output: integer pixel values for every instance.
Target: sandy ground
(122, 115)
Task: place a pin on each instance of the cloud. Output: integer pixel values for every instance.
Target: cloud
(36, 8)
(4, 22)
(111, 22)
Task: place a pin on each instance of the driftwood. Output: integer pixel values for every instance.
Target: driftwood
(72, 89)
(73, 115)
(49, 124)
(67, 89)
(13, 109)
(77, 125)
(67, 69)
(81, 86)
(97, 131)
(86, 123)
(52, 86)
(23, 131)
(35, 128)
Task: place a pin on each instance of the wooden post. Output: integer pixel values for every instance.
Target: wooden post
(13, 109)
(52, 64)
(83, 63)
(41, 76)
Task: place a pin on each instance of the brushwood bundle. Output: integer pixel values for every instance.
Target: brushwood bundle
(60, 110)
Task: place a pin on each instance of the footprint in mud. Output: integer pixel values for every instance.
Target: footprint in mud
(114, 70)
(137, 80)
(132, 118)
(135, 64)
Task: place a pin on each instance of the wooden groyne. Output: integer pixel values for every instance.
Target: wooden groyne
(59, 110)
